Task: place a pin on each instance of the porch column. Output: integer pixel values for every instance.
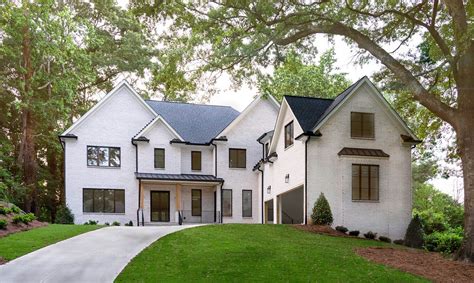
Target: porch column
(178, 201)
(276, 210)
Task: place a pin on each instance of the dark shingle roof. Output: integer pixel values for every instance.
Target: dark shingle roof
(195, 123)
(310, 111)
(178, 177)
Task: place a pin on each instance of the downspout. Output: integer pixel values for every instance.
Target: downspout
(306, 180)
(221, 216)
(139, 181)
(262, 204)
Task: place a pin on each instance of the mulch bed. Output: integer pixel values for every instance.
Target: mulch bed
(426, 264)
(321, 229)
(13, 228)
(2, 261)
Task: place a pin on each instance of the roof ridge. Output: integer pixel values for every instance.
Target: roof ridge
(191, 103)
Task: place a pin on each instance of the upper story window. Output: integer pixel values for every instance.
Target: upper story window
(365, 182)
(237, 158)
(362, 125)
(196, 160)
(103, 156)
(159, 158)
(289, 134)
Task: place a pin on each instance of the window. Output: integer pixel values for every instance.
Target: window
(196, 202)
(103, 156)
(365, 182)
(237, 158)
(196, 160)
(103, 200)
(160, 158)
(227, 202)
(362, 125)
(246, 203)
(289, 134)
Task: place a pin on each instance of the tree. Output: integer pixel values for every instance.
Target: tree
(241, 37)
(298, 78)
(322, 214)
(414, 234)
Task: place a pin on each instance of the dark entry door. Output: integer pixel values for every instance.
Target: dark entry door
(160, 206)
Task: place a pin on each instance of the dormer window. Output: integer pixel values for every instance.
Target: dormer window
(362, 125)
(289, 134)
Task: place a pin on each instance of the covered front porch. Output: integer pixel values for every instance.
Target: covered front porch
(178, 199)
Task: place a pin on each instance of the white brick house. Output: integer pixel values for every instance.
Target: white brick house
(151, 161)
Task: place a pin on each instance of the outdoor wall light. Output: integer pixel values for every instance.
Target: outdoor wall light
(287, 178)
(269, 189)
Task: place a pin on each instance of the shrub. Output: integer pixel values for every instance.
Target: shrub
(107, 224)
(354, 233)
(399, 242)
(3, 224)
(385, 239)
(444, 242)
(5, 210)
(23, 218)
(370, 235)
(321, 211)
(414, 234)
(115, 223)
(342, 229)
(15, 209)
(64, 215)
(91, 222)
(130, 223)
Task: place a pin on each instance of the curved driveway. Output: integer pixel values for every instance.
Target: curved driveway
(97, 256)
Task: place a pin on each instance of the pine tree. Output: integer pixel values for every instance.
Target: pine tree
(322, 214)
(414, 235)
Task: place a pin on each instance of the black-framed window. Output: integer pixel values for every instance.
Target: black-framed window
(362, 125)
(160, 158)
(103, 156)
(226, 202)
(237, 158)
(103, 200)
(289, 139)
(246, 203)
(365, 182)
(196, 202)
(196, 160)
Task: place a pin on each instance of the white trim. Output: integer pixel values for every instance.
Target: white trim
(279, 126)
(246, 111)
(379, 95)
(153, 122)
(105, 99)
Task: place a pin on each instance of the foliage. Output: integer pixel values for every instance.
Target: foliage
(23, 218)
(322, 214)
(370, 235)
(15, 209)
(354, 233)
(64, 215)
(385, 239)
(414, 234)
(107, 224)
(5, 210)
(342, 229)
(299, 78)
(130, 223)
(3, 224)
(115, 223)
(19, 244)
(446, 242)
(243, 248)
(399, 242)
(91, 222)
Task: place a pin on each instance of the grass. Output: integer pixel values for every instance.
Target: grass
(239, 252)
(21, 243)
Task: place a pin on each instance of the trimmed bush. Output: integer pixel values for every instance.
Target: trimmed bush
(91, 222)
(444, 242)
(15, 209)
(370, 235)
(3, 224)
(115, 223)
(107, 224)
(399, 242)
(64, 215)
(385, 239)
(5, 210)
(130, 223)
(23, 218)
(322, 214)
(414, 234)
(342, 229)
(354, 233)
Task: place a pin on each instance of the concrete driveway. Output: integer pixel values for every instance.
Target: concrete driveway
(96, 256)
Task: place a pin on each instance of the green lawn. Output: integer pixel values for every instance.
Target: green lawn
(21, 243)
(239, 252)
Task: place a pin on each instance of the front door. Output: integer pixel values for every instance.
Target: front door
(160, 206)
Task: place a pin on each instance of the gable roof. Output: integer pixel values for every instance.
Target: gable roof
(194, 123)
(307, 110)
(140, 135)
(106, 98)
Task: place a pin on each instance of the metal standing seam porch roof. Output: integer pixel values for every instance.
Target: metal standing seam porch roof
(195, 123)
(179, 177)
(363, 152)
